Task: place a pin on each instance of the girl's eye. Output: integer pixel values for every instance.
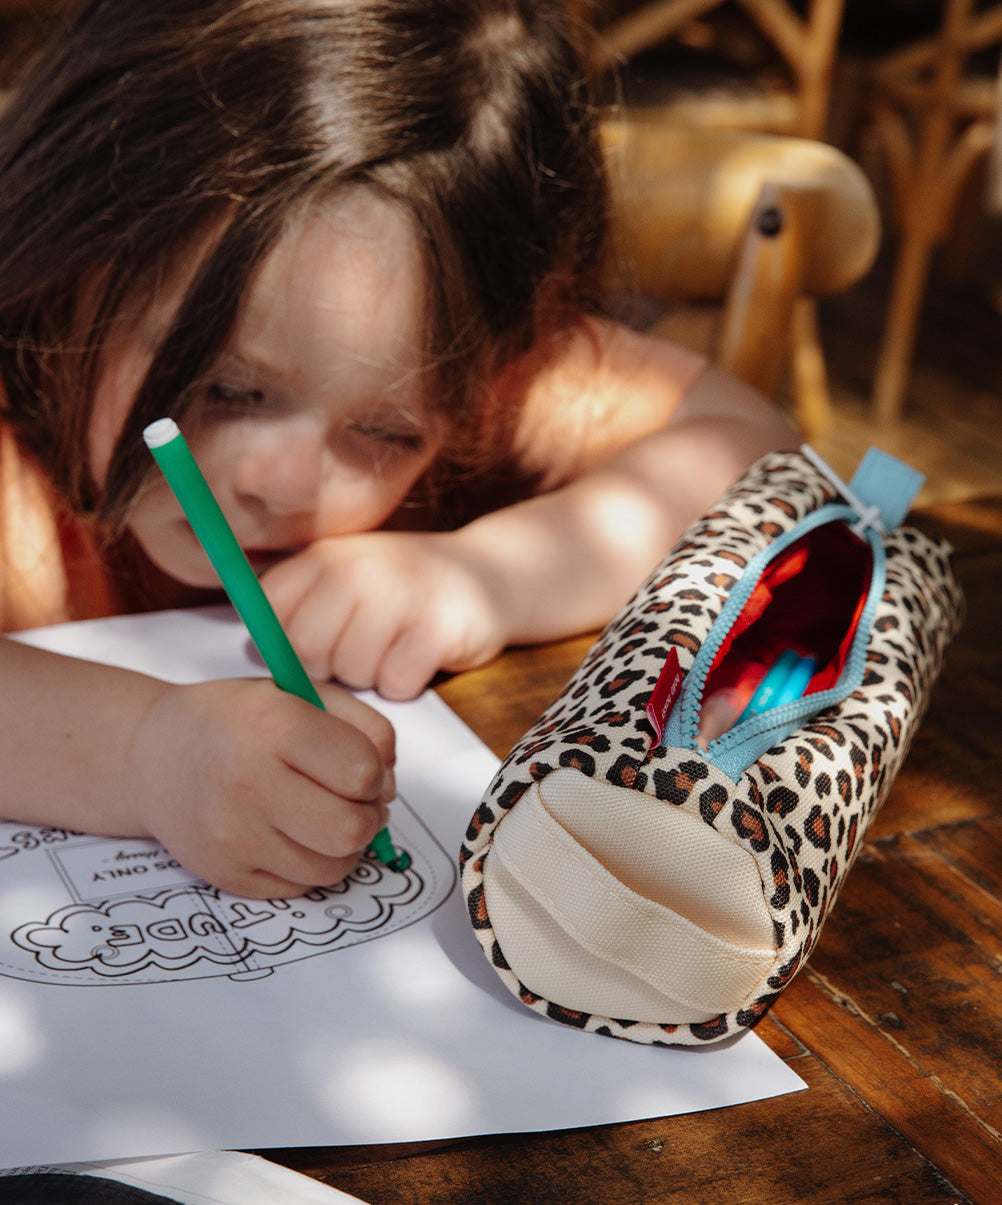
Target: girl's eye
(403, 439)
(221, 394)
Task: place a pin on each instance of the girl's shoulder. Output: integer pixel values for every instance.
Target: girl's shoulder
(602, 387)
(51, 566)
(558, 412)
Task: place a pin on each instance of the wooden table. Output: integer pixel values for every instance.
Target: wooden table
(896, 1023)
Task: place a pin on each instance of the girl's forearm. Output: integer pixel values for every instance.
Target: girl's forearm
(65, 730)
(565, 561)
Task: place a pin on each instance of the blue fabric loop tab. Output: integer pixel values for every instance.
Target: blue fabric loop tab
(881, 491)
(883, 481)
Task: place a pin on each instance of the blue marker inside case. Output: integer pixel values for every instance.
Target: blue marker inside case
(785, 682)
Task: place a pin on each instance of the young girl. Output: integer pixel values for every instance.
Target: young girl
(352, 247)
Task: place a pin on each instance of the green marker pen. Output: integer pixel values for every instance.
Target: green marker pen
(172, 454)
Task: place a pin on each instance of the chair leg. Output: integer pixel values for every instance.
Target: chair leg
(754, 337)
(903, 312)
(931, 183)
(811, 398)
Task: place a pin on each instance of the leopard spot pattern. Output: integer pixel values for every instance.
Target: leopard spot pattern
(802, 809)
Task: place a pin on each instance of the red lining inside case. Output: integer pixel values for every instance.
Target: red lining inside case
(808, 599)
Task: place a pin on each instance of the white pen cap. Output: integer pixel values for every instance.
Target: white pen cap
(161, 432)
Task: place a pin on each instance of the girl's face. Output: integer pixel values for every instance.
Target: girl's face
(315, 420)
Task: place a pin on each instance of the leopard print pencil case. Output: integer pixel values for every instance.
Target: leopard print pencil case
(655, 859)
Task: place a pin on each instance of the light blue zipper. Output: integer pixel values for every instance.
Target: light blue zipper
(738, 748)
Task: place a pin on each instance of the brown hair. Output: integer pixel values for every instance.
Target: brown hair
(143, 124)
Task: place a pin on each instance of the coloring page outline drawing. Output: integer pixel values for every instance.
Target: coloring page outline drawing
(123, 910)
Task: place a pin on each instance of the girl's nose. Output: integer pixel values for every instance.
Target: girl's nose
(283, 471)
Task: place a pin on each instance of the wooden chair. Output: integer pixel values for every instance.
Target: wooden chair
(806, 44)
(935, 122)
(761, 223)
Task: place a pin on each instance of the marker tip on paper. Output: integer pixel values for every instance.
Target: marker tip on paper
(382, 846)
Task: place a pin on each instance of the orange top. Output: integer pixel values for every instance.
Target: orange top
(51, 569)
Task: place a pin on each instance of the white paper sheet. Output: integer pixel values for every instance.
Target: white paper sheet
(204, 1178)
(142, 1013)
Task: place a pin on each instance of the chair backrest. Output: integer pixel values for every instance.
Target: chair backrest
(683, 200)
(762, 223)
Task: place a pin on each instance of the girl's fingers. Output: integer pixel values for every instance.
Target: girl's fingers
(352, 710)
(312, 842)
(363, 644)
(333, 752)
(408, 665)
(322, 828)
(261, 884)
(304, 868)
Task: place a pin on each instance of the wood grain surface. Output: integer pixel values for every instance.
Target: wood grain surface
(895, 1024)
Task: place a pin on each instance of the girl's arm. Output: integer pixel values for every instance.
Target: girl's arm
(565, 561)
(255, 790)
(633, 438)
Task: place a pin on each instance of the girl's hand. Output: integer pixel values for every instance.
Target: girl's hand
(389, 609)
(257, 791)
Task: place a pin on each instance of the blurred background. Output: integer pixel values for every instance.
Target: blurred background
(909, 90)
(810, 191)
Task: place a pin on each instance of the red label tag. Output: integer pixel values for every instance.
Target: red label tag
(664, 694)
